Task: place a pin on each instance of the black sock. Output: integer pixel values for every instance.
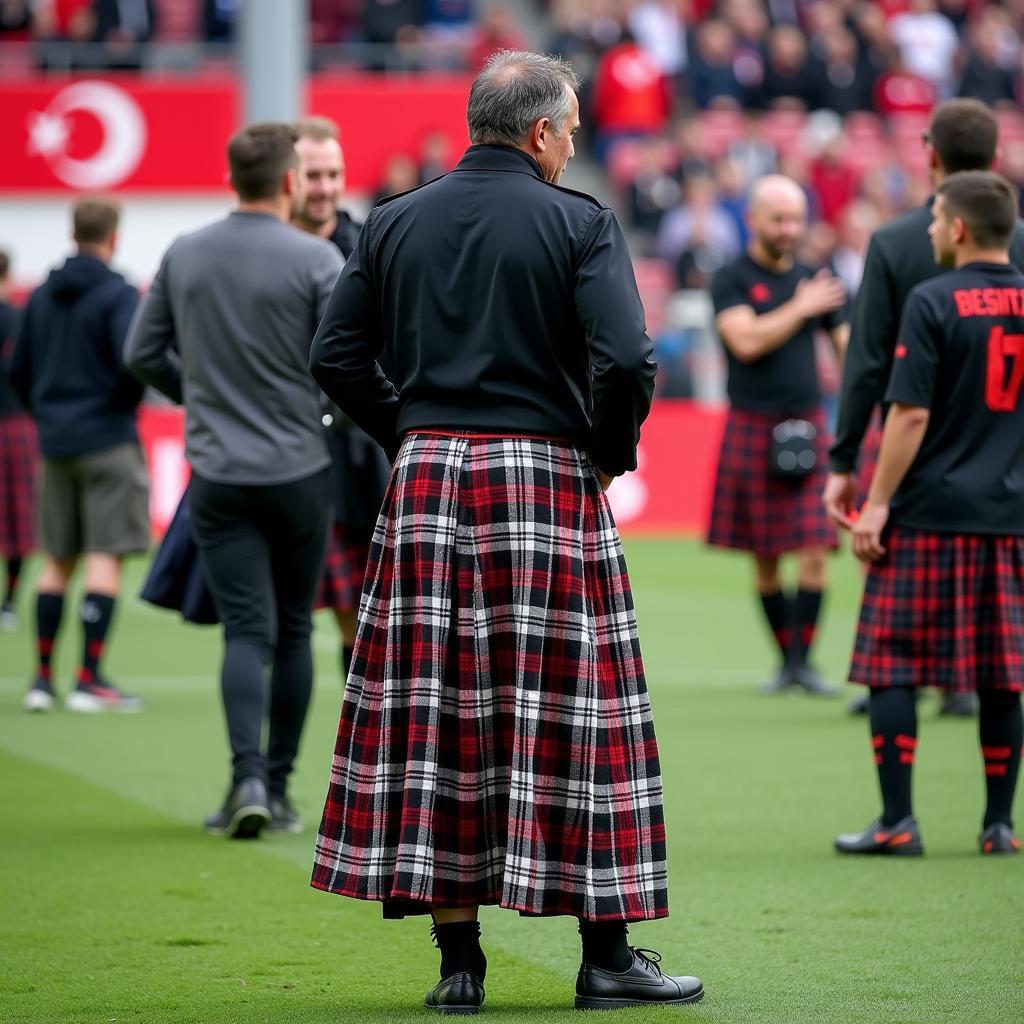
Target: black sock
(49, 610)
(459, 943)
(13, 572)
(1001, 730)
(346, 662)
(96, 612)
(776, 611)
(893, 716)
(808, 607)
(605, 945)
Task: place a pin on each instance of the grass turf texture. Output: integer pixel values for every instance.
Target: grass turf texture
(115, 906)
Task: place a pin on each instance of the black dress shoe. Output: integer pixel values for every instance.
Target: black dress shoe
(244, 814)
(461, 993)
(810, 680)
(779, 683)
(283, 816)
(998, 838)
(642, 985)
(900, 840)
(959, 705)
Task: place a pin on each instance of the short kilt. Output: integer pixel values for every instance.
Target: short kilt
(753, 510)
(869, 449)
(496, 743)
(344, 568)
(943, 609)
(19, 474)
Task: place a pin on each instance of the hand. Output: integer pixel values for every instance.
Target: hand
(867, 532)
(603, 479)
(838, 498)
(820, 294)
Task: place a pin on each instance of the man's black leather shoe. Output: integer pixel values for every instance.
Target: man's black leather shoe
(642, 985)
(462, 993)
(283, 816)
(245, 811)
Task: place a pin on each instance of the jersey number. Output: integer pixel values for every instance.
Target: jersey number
(1002, 381)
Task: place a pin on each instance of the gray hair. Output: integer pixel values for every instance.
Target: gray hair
(514, 89)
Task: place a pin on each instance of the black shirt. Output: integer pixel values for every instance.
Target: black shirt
(504, 303)
(899, 258)
(960, 354)
(9, 403)
(786, 379)
(346, 233)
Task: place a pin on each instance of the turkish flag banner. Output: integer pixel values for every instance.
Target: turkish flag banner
(135, 134)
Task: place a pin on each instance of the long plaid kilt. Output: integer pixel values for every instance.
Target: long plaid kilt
(869, 449)
(341, 581)
(496, 743)
(755, 511)
(943, 609)
(19, 472)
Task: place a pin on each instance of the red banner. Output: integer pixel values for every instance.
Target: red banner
(669, 493)
(151, 135)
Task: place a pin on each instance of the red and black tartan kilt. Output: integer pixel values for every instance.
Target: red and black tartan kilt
(943, 609)
(19, 472)
(496, 743)
(869, 449)
(341, 582)
(753, 510)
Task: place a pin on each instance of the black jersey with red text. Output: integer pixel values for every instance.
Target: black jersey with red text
(960, 353)
(785, 380)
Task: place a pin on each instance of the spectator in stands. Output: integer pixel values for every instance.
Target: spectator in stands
(652, 192)
(750, 23)
(121, 26)
(333, 21)
(928, 44)
(693, 149)
(1011, 166)
(586, 29)
(753, 153)
(391, 22)
(15, 20)
(400, 175)
(732, 195)
(859, 221)
(713, 76)
(632, 96)
(900, 91)
(792, 77)
(497, 31)
(57, 23)
(985, 76)
(219, 18)
(661, 27)
(833, 180)
(847, 78)
(698, 237)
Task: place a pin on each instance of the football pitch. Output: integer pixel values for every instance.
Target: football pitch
(116, 908)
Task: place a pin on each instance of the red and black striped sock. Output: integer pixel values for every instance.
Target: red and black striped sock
(777, 611)
(13, 575)
(96, 612)
(1001, 730)
(893, 716)
(49, 611)
(808, 608)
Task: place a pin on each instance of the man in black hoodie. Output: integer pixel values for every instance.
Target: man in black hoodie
(67, 367)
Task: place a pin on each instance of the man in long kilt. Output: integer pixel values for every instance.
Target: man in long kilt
(943, 526)
(496, 744)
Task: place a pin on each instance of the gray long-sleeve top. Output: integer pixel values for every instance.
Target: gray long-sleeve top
(226, 329)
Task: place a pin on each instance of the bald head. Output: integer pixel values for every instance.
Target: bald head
(777, 216)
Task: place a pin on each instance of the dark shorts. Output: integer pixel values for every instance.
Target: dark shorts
(96, 503)
(755, 511)
(943, 609)
(341, 583)
(19, 471)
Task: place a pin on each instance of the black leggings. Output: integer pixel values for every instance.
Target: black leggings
(263, 551)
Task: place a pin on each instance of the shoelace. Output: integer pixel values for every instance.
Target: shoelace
(649, 958)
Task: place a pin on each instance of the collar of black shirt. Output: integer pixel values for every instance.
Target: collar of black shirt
(498, 158)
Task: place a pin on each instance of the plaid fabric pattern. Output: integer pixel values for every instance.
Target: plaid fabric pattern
(344, 568)
(19, 472)
(755, 511)
(869, 449)
(943, 609)
(496, 743)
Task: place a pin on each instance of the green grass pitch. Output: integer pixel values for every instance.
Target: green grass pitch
(116, 908)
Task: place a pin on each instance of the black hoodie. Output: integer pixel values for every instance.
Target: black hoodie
(67, 363)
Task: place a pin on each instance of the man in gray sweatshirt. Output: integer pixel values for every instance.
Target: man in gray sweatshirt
(226, 329)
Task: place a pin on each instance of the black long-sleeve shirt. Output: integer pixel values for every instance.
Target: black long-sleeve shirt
(899, 258)
(504, 303)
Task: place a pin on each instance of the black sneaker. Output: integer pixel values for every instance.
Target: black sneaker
(959, 705)
(998, 839)
(462, 994)
(901, 840)
(779, 683)
(95, 698)
(40, 696)
(283, 816)
(642, 985)
(809, 680)
(245, 812)
(859, 705)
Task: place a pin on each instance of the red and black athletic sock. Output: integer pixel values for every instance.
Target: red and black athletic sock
(1001, 729)
(777, 611)
(808, 608)
(346, 661)
(893, 716)
(49, 611)
(13, 574)
(96, 612)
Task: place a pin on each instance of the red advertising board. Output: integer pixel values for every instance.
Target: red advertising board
(669, 493)
(130, 134)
